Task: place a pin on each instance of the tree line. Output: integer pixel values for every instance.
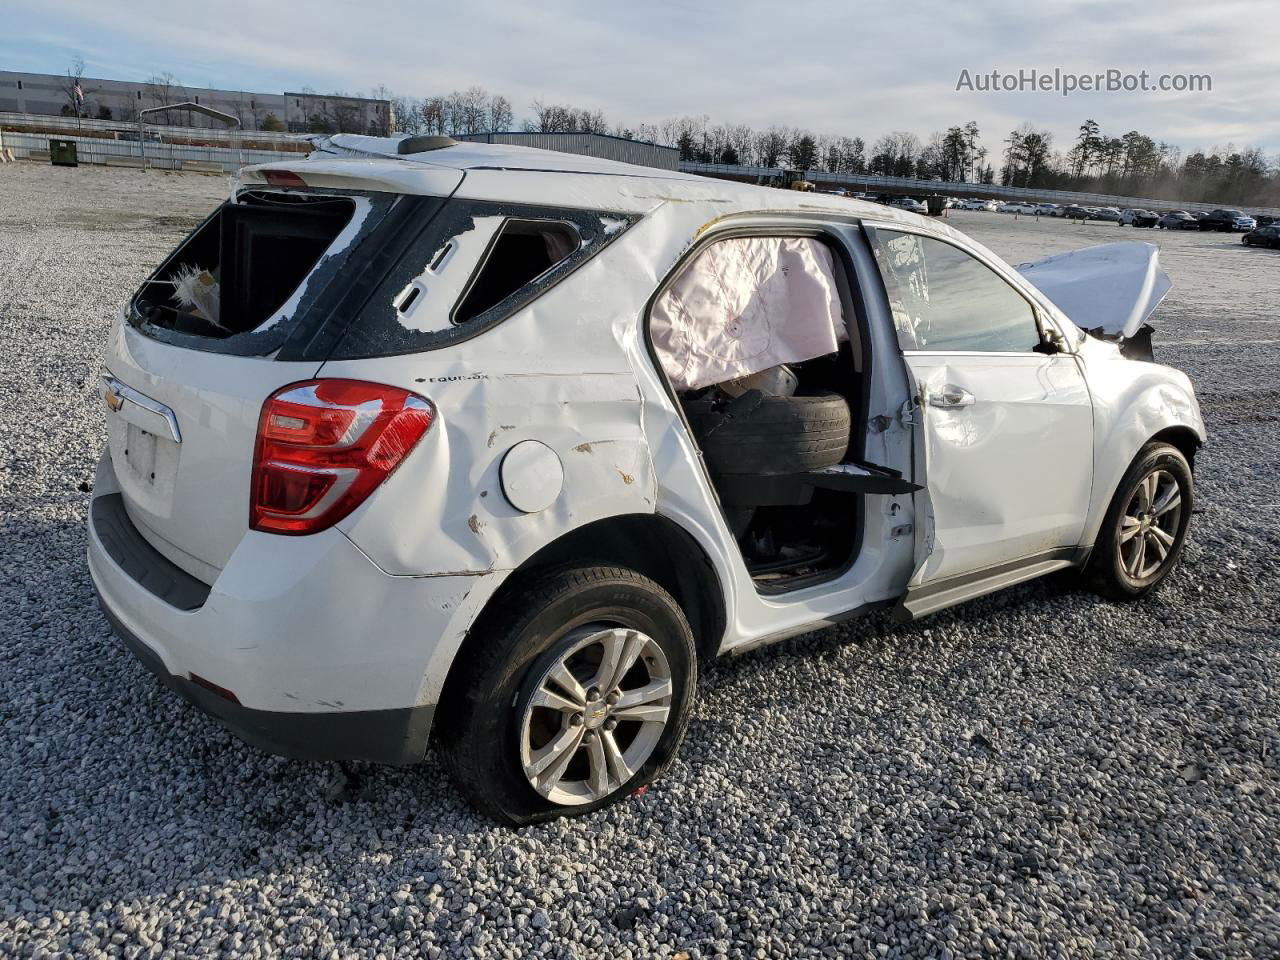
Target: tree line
(1131, 164)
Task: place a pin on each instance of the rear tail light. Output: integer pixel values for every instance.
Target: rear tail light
(324, 446)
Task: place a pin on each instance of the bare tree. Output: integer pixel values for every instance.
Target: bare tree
(164, 89)
(500, 115)
(434, 113)
(770, 145)
(73, 89)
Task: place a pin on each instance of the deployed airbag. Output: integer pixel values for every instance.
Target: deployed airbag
(745, 305)
(1113, 286)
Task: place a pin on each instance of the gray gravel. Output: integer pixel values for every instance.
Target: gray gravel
(1037, 774)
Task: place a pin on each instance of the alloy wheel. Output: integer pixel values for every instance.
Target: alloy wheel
(595, 714)
(1149, 527)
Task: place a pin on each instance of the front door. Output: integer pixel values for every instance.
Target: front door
(1004, 429)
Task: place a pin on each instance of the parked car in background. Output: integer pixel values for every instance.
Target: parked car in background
(1048, 209)
(1018, 207)
(1138, 218)
(503, 478)
(1227, 220)
(910, 203)
(973, 203)
(1263, 237)
(1076, 212)
(1178, 220)
(1109, 214)
(1267, 219)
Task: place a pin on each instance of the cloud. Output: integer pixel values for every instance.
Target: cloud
(830, 66)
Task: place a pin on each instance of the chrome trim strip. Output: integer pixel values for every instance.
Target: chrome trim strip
(118, 394)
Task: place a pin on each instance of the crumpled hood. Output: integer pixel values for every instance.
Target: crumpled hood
(1113, 286)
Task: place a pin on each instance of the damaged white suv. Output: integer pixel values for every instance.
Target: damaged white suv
(496, 446)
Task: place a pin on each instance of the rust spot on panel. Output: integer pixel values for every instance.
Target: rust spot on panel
(474, 523)
(627, 478)
(583, 448)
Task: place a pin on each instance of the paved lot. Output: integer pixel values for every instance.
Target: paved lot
(1037, 774)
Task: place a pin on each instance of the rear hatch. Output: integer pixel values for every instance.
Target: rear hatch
(291, 274)
(253, 300)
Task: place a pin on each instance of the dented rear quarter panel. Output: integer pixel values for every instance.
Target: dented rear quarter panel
(558, 372)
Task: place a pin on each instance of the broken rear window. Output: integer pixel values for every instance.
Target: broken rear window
(244, 281)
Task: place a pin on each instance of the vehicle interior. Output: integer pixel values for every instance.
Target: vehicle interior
(761, 342)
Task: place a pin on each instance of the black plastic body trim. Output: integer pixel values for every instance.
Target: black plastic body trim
(396, 737)
(145, 564)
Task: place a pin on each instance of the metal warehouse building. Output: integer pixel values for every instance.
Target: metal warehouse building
(592, 144)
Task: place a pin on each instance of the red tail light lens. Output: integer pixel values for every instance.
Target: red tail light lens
(324, 446)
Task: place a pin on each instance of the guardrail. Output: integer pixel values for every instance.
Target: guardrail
(989, 191)
(162, 156)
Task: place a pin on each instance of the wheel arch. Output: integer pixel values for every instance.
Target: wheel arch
(650, 544)
(1184, 438)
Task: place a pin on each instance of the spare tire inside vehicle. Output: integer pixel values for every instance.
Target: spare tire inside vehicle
(756, 434)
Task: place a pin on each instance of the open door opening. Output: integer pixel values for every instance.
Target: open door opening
(760, 339)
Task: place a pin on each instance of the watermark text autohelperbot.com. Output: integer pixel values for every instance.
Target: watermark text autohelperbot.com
(1031, 80)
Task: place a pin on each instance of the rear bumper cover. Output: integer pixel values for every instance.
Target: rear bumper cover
(397, 737)
(328, 657)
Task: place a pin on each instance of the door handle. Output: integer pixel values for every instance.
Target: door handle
(951, 396)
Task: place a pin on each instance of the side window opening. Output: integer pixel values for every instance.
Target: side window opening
(522, 251)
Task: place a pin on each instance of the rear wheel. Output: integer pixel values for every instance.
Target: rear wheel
(1145, 527)
(577, 693)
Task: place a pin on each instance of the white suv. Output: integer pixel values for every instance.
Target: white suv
(500, 446)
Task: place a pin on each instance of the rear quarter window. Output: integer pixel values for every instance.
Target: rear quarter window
(477, 264)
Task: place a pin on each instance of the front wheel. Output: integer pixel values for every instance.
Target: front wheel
(1145, 527)
(576, 693)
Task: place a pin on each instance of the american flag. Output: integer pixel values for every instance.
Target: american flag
(78, 92)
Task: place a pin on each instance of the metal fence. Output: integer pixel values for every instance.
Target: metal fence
(162, 156)
(25, 122)
(909, 185)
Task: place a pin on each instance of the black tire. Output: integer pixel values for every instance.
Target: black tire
(479, 715)
(758, 435)
(1105, 572)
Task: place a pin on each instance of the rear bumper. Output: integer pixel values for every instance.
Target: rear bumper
(327, 656)
(397, 737)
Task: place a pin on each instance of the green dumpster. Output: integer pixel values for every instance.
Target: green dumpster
(62, 153)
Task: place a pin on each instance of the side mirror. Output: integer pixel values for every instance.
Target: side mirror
(1051, 341)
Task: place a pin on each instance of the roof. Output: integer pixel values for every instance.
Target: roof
(502, 172)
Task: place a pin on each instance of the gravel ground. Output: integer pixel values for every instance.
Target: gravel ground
(1035, 774)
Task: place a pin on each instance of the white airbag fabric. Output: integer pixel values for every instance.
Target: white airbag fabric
(1115, 286)
(745, 305)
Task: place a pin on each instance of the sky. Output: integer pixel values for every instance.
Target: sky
(841, 68)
